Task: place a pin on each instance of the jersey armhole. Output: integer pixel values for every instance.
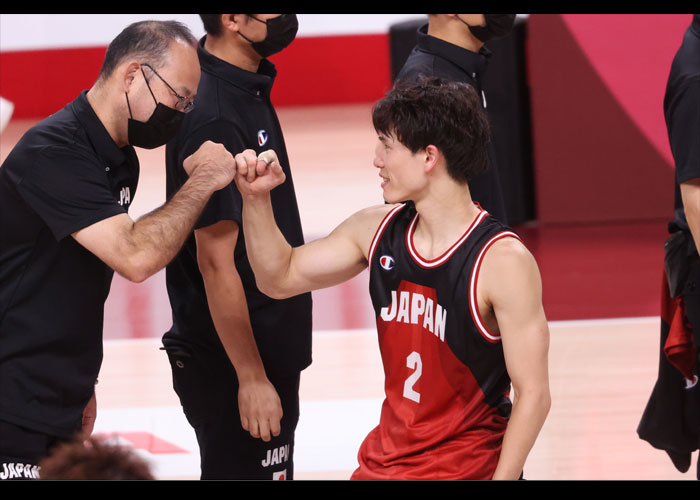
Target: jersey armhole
(474, 275)
(380, 231)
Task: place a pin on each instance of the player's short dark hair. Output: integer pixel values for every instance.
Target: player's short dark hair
(93, 459)
(443, 113)
(147, 41)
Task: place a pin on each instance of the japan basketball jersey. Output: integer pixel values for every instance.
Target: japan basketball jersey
(446, 385)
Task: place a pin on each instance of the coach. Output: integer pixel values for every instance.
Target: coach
(65, 191)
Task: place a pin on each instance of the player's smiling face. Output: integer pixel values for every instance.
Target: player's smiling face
(399, 169)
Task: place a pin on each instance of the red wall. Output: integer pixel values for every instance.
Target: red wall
(597, 84)
(313, 70)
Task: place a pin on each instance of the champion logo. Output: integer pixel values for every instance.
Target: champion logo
(262, 137)
(387, 262)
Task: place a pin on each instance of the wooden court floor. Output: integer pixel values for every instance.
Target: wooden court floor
(602, 367)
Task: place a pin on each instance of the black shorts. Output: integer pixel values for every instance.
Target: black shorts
(208, 392)
(21, 450)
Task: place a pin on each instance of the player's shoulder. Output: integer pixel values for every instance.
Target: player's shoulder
(364, 224)
(508, 246)
(371, 217)
(508, 257)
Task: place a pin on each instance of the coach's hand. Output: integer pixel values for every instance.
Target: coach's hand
(212, 163)
(258, 174)
(260, 408)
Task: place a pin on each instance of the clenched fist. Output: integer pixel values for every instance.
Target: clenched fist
(258, 174)
(213, 163)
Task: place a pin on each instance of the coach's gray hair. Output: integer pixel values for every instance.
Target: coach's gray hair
(146, 41)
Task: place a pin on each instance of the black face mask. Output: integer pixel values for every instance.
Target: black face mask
(497, 26)
(162, 126)
(281, 31)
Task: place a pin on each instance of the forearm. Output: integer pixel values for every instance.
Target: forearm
(526, 420)
(155, 239)
(229, 311)
(268, 251)
(690, 193)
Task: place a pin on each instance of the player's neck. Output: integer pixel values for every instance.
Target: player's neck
(443, 217)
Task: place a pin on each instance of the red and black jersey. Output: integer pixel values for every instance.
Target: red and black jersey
(447, 389)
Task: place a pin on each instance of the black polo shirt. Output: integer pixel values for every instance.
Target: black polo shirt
(435, 57)
(64, 174)
(233, 108)
(682, 113)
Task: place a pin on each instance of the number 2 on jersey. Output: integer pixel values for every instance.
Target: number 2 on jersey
(414, 362)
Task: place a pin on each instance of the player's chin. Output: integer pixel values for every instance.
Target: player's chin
(391, 196)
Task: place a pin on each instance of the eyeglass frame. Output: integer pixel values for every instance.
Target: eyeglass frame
(187, 104)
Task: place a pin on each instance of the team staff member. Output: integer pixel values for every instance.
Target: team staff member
(457, 296)
(451, 46)
(65, 190)
(671, 420)
(236, 354)
(682, 113)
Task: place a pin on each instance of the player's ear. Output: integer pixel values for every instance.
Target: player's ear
(431, 155)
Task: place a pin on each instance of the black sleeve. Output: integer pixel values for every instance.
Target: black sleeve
(225, 204)
(684, 131)
(67, 189)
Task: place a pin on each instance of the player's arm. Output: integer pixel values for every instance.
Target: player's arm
(259, 404)
(510, 282)
(690, 194)
(137, 250)
(280, 270)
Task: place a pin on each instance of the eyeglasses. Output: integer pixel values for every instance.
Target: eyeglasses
(184, 104)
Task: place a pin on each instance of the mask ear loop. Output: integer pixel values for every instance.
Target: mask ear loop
(245, 37)
(128, 105)
(258, 20)
(147, 85)
(149, 89)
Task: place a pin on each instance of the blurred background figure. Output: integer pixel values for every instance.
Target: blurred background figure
(671, 420)
(94, 459)
(451, 46)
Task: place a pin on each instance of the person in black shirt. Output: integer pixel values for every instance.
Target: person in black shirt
(236, 354)
(682, 114)
(65, 191)
(451, 46)
(671, 419)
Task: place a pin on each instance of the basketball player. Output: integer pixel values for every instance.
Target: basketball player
(456, 294)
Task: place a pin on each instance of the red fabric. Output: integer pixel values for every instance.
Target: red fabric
(679, 348)
(452, 434)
